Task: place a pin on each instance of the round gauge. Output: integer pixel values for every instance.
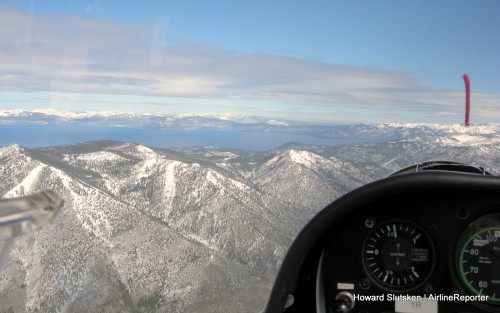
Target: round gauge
(398, 255)
(478, 257)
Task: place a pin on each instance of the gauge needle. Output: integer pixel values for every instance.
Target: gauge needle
(394, 229)
(415, 239)
(488, 248)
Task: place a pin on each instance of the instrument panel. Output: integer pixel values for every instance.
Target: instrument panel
(423, 240)
(416, 252)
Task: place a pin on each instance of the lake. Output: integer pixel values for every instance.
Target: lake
(35, 136)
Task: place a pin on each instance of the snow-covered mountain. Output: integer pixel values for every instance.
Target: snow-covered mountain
(137, 120)
(199, 229)
(352, 133)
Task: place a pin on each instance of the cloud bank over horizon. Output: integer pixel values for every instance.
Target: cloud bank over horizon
(79, 63)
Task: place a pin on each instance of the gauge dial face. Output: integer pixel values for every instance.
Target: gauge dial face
(398, 256)
(478, 257)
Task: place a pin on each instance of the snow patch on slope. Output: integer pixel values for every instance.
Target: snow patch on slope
(169, 188)
(308, 159)
(92, 220)
(220, 181)
(483, 129)
(10, 150)
(25, 186)
(151, 159)
(467, 140)
(101, 156)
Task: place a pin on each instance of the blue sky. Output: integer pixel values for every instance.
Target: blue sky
(334, 61)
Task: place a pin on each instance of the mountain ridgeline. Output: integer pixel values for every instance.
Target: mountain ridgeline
(199, 229)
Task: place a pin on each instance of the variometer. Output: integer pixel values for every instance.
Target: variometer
(398, 255)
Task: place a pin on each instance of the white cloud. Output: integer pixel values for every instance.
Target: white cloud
(60, 54)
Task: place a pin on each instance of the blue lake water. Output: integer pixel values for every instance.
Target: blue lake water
(34, 136)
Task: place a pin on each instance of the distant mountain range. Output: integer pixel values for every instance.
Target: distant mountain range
(235, 122)
(199, 229)
(130, 119)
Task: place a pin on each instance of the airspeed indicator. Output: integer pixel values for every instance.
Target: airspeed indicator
(478, 257)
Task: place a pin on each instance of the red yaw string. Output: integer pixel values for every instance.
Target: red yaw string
(467, 99)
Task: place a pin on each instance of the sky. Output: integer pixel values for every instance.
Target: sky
(326, 60)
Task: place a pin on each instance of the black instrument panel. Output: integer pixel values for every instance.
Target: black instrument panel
(417, 241)
(413, 245)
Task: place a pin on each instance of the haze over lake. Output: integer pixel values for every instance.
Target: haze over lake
(34, 136)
